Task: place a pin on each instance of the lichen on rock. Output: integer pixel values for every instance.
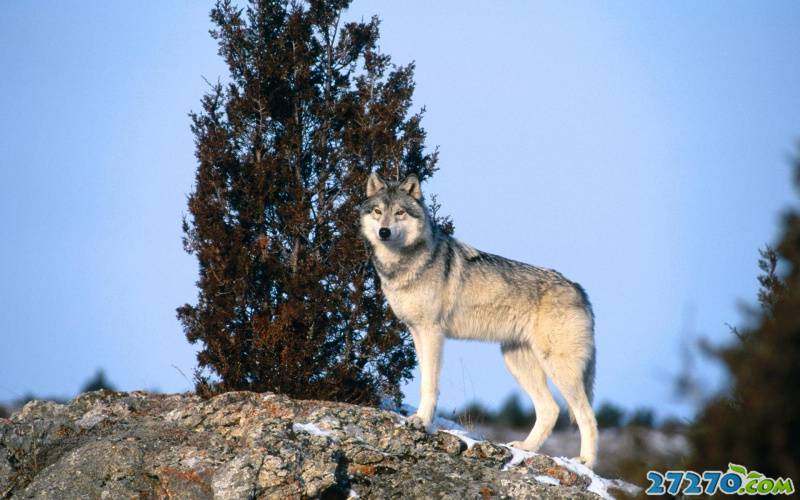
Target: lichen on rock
(246, 445)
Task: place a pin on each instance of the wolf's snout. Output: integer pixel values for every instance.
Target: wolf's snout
(384, 233)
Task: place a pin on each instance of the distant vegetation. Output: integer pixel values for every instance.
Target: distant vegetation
(513, 415)
(96, 382)
(756, 421)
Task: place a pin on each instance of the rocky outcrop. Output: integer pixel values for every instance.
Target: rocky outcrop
(245, 445)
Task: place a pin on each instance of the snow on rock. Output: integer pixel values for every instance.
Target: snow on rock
(517, 456)
(547, 480)
(310, 428)
(448, 426)
(599, 485)
(464, 436)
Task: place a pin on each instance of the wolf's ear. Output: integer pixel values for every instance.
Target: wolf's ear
(411, 186)
(374, 184)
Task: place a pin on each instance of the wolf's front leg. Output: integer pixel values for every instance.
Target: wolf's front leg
(429, 351)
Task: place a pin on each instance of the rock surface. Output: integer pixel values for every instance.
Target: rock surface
(246, 445)
(618, 447)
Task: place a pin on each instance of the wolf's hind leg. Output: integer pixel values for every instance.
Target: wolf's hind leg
(523, 365)
(566, 372)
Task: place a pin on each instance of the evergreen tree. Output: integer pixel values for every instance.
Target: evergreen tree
(512, 415)
(609, 415)
(642, 417)
(287, 300)
(758, 423)
(97, 382)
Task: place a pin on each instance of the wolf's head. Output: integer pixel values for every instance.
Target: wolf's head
(393, 215)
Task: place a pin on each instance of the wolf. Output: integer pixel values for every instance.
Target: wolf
(443, 288)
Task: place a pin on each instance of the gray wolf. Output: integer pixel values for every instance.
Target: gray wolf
(442, 288)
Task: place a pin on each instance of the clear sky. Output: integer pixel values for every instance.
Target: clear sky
(640, 148)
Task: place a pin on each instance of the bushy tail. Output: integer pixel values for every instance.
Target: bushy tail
(589, 370)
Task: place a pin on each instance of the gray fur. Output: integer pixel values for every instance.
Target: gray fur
(441, 287)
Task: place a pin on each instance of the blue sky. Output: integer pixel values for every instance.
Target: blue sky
(640, 148)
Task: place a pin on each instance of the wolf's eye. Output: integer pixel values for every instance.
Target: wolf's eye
(400, 212)
(377, 211)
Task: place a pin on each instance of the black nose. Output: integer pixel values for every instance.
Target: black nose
(384, 233)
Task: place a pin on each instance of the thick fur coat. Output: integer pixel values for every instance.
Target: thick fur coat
(442, 288)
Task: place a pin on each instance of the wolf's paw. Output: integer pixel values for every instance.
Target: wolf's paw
(417, 422)
(521, 445)
(588, 462)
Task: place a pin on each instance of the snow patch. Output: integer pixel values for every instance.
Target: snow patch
(547, 480)
(517, 456)
(310, 428)
(445, 424)
(599, 485)
(464, 436)
(439, 423)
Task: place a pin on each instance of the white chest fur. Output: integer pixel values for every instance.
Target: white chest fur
(415, 306)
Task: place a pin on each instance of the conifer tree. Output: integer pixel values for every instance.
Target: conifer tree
(287, 300)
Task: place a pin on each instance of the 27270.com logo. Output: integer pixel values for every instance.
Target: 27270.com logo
(735, 481)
